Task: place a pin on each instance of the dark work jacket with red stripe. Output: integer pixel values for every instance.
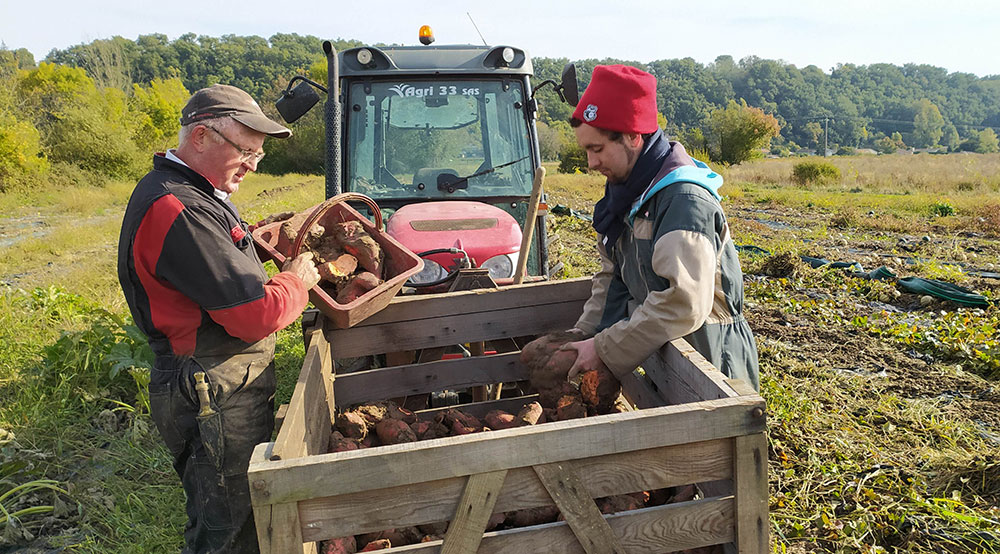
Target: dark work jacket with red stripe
(192, 278)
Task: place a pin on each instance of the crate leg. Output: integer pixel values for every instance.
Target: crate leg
(750, 487)
(579, 509)
(473, 512)
(279, 530)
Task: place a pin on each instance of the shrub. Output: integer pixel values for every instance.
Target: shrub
(573, 159)
(814, 172)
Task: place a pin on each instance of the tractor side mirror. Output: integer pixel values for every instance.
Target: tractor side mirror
(295, 102)
(568, 88)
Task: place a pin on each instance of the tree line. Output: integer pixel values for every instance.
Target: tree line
(99, 109)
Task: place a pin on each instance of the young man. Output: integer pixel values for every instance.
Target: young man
(669, 268)
(198, 291)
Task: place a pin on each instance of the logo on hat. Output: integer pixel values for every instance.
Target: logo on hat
(590, 113)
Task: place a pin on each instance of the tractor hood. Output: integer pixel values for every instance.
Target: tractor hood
(482, 230)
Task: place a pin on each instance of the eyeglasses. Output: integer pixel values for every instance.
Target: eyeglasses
(246, 156)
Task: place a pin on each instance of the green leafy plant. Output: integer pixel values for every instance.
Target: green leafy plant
(942, 209)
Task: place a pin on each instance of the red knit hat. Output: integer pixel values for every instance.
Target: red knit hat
(619, 98)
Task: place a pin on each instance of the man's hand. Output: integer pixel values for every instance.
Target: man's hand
(586, 357)
(304, 268)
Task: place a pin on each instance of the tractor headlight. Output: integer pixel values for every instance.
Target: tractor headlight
(502, 266)
(431, 272)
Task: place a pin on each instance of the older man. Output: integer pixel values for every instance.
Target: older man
(197, 289)
(669, 266)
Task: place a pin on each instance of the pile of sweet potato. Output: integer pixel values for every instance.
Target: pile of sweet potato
(348, 259)
(383, 423)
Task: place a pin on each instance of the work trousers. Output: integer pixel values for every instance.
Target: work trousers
(212, 465)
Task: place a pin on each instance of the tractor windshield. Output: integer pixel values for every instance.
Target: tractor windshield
(438, 139)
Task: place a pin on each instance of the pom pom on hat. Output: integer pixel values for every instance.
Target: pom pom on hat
(619, 98)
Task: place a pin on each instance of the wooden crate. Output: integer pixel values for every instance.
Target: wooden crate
(691, 425)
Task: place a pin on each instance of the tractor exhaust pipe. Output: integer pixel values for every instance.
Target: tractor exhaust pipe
(332, 116)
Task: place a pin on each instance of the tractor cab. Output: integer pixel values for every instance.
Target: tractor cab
(443, 139)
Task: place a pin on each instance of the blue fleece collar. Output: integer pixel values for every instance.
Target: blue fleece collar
(699, 174)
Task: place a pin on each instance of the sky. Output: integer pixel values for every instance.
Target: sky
(960, 35)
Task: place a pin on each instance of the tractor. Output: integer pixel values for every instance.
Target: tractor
(443, 139)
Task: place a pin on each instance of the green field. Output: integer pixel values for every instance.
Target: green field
(884, 409)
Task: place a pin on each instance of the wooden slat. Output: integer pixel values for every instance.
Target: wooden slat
(306, 428)
(682, 375)
(480, 409)
(392, 382)
(639, 393)
(656, 530)
(346, 472)
(473, 513)
(741, 387)
(431, 306)
(578, 508)
(750, 485)
(279, 417)
(279, 531)
(434, 501)
(454, 329)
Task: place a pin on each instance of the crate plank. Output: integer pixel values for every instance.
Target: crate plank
(431, 306)
(750, 486)
(282, 533)
(434, 501)
(392, 382)
(306, 427)
(454, 329)
(512, 405)
(578, 508)
(639, 393)
(473, 513)
(681, 374)
(299, 479)
(656, 530)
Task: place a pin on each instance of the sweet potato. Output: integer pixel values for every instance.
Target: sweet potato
(337, 269)
(550, 396)
(450, 417)
(618, 503)
(352, 425)
(396, 537)
(356, 286)
(394, 431)
(570, 407)
(499, 419)
(340, 545)
(600, 389)
(496, 520)
(340, 443)
(530, 414)
(420, 428)
(438, 528)
(536, 352)
(434, 430)
(380, 544)
(290, 229)
(374, 412)
(367, 251)
(347, 230)
(532, 516)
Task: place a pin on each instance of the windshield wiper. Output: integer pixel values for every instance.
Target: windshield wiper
(449, 182)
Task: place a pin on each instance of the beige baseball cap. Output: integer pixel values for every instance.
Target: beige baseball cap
(228, 101)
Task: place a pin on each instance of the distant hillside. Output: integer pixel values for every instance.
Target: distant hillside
(863, 102)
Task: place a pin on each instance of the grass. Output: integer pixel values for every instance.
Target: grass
(883, 428)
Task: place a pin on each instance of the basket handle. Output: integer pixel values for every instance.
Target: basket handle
(326, 205)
